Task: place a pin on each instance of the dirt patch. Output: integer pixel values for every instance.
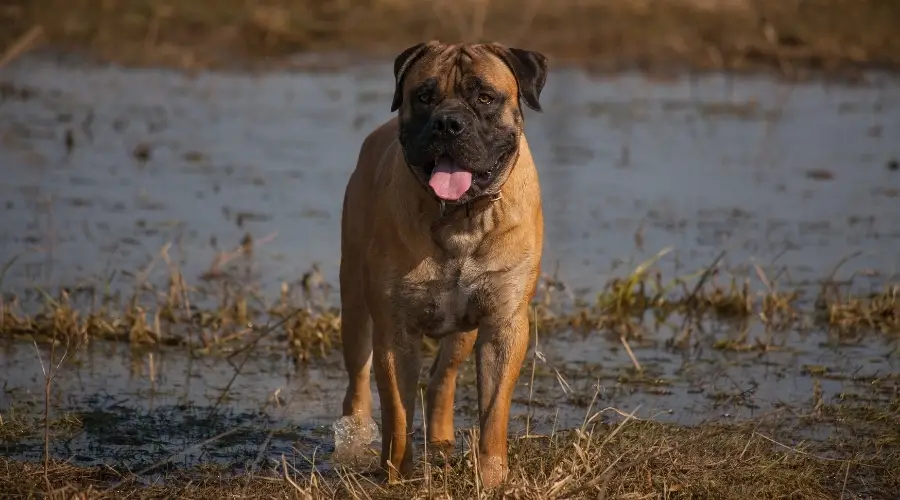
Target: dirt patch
(793, 37)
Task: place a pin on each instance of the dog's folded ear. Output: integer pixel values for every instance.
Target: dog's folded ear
(530, 70)
(401, 65)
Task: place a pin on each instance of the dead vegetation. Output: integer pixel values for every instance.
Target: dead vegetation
(218, 314)
(791, 36)
(633, 459)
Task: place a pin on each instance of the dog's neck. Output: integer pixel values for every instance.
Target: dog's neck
(456, 211)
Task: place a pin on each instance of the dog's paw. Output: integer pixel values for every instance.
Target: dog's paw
(493, 471)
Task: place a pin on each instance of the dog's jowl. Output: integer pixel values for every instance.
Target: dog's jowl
(441, 235)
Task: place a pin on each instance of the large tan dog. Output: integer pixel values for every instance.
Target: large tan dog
(441, 235)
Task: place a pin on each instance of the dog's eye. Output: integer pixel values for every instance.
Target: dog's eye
(425, 97)
(485, 99)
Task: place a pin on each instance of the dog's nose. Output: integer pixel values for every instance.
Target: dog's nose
(448, 124)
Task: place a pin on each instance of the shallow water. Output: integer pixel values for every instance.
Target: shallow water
(103, 166)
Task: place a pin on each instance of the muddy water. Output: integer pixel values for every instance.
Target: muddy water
(104, 166)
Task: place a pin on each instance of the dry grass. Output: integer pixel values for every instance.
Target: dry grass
(630, 460)
(236, 319)
(791, 36)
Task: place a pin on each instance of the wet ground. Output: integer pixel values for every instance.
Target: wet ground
(105, 166)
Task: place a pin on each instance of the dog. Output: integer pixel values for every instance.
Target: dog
(442, 235)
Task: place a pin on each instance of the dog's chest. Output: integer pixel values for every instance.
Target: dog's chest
(439, 299)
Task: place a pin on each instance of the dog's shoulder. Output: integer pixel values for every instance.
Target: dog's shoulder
(379, 143)
(376, 155)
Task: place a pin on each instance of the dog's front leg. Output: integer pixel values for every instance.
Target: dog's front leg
(500, 351)
(397, 357)
(439, 398)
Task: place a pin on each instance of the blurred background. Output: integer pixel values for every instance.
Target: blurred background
(173, 175)
(602, 34)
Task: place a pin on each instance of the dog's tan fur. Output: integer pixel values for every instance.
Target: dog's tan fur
(396, 257)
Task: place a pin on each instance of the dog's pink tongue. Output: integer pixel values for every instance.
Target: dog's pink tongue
(449, 181)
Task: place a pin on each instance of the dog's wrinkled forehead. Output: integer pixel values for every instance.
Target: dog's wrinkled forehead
(452, 63)
(508, 70)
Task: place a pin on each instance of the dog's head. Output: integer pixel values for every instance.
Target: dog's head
(461, 113)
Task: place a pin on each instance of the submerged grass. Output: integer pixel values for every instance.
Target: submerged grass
(17, 424)
(791, 36)
(180, 314)
(633, 459)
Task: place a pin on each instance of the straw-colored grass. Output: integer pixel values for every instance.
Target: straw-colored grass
(629, 460)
